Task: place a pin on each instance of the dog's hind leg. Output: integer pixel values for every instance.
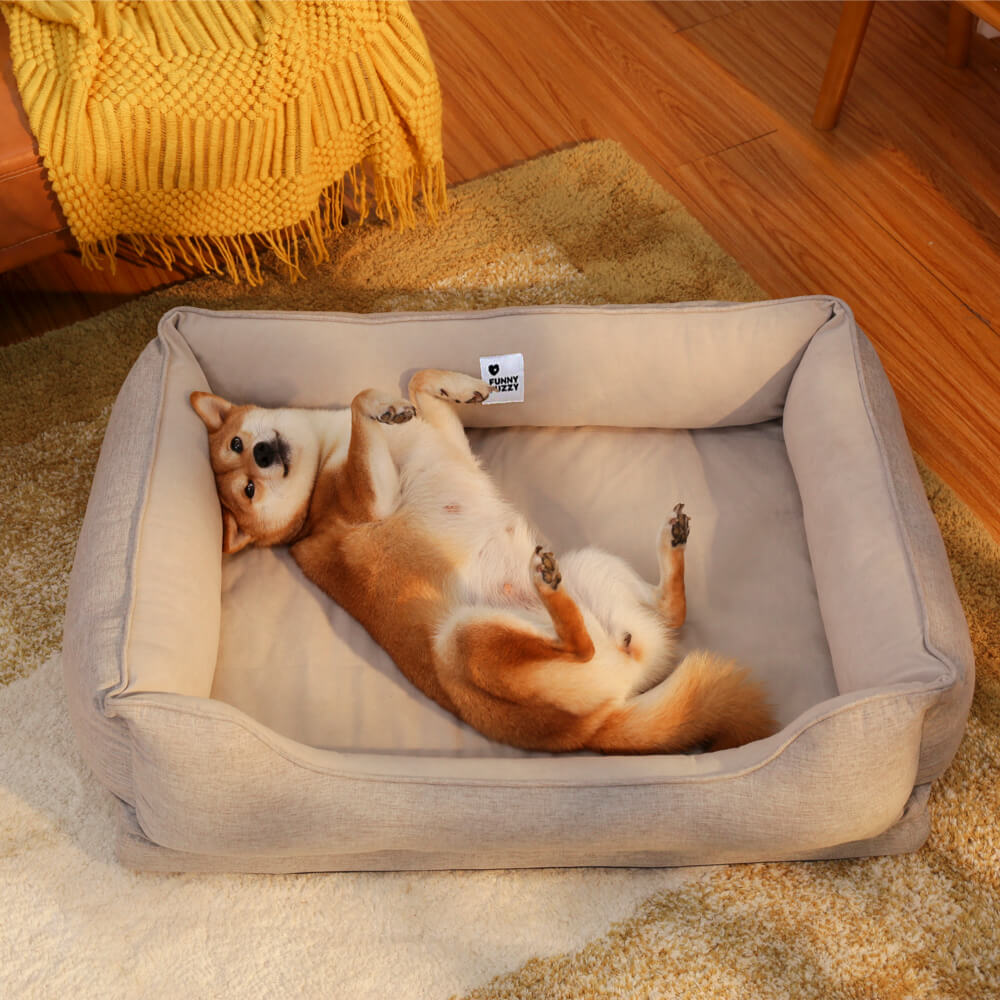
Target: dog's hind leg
(496, 649)
(436, 393)
(567, 619)
(671, 599)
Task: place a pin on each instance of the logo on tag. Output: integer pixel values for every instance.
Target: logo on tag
(505, 373)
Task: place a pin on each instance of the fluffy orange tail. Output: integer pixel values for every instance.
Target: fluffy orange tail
(708, 701)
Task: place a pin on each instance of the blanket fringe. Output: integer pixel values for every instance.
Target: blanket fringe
(235, 255)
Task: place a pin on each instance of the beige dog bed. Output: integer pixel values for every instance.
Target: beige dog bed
(246, 723)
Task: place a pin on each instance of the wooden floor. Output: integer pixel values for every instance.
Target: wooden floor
(897, 210)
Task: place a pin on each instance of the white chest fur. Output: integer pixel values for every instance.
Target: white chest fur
(457, 503)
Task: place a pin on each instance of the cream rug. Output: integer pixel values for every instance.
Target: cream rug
(584, 225)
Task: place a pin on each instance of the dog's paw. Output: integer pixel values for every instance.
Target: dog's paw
(680, 527)
(384, 409)
(398, 412)
(459, 388)
(545, 570)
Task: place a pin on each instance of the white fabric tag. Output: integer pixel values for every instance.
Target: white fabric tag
(505, 373)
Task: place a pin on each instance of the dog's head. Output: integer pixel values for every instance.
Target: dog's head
(265, 465)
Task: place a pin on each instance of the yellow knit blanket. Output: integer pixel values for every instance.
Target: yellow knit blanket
(199, 130)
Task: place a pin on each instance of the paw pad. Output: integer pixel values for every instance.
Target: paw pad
(397, 414)
(477, 396)
(547, 568)
(680, 526)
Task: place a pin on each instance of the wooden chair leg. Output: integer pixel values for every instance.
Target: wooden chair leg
(961, 24)
(854, 19)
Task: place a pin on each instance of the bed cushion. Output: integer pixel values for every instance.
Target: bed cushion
(245, 722)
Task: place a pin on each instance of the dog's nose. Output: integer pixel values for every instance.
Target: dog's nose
(265, 453)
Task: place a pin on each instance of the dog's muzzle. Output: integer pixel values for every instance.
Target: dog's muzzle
(268, 453)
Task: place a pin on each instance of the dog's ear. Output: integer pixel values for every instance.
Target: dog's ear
(234, 537)
(212, 409)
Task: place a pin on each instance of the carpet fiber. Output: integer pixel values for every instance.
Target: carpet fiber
(585, 225)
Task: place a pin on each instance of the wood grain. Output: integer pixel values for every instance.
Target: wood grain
(564, 72)
(897, 210)
(937, 211)
(692, 12)
(59, 290)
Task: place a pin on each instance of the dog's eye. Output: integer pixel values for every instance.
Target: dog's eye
(249, 490)
(236, 444)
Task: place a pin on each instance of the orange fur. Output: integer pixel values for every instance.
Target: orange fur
(708, 702)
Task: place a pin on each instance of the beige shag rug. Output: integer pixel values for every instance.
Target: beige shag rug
(585, 225)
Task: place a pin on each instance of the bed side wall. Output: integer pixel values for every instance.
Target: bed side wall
(101, 582)
(136, 851)
(946, 632)
(623, 366)
(218, 784)
(885, 590)
(143, 607)
(173, 637)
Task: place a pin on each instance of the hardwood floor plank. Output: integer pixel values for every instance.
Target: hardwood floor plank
(893, 166)
(640, 63)
(59, 290)
(685, 14)
(574, 71)
(494, 118)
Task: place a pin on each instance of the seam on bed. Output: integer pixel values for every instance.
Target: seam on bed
(143, 701)
(374, 319)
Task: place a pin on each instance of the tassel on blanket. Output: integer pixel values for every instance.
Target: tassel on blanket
(236, 256)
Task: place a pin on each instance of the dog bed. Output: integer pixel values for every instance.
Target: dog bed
(246, 723)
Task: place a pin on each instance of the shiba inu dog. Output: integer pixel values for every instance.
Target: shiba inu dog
(388, 511)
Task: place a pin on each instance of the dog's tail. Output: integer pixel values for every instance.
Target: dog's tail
(708, 702)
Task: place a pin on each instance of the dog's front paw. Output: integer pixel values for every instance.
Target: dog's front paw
(398, 412)
(459, 388)
(545, 570)
(384, 409)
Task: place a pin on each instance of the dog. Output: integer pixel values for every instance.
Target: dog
(388, 511)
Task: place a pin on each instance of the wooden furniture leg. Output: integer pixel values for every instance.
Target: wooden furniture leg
(961, 24)
(962, 16)
(854, 19)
